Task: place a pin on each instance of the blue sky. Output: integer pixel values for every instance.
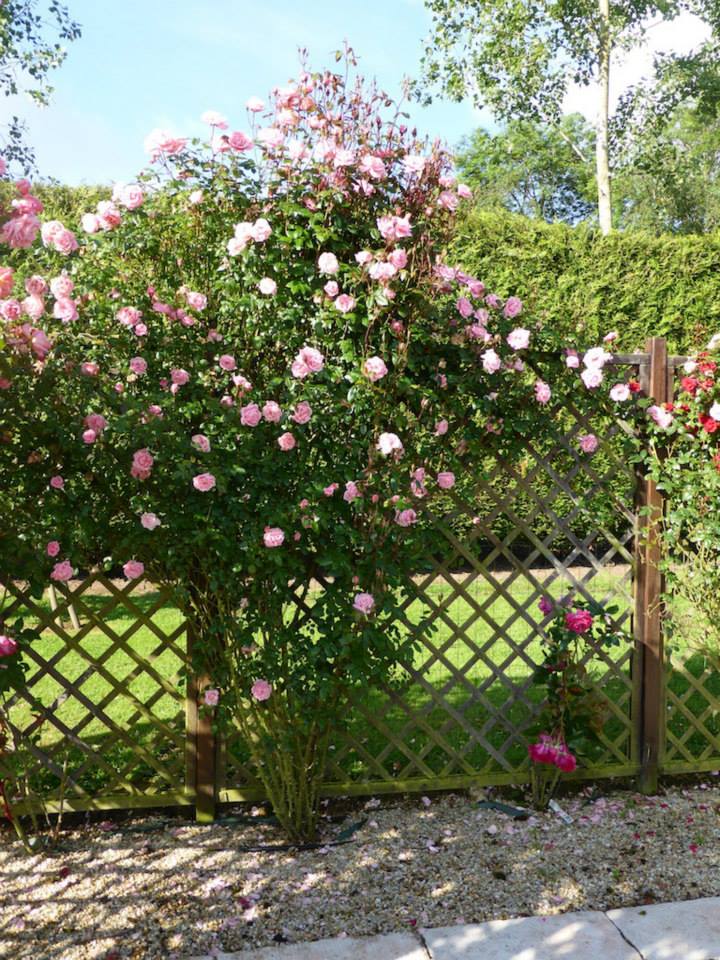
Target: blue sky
(142, 64)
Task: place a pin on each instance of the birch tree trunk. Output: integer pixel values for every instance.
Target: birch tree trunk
(602, 162)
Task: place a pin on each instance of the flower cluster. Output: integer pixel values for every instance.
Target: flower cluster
(553, 751)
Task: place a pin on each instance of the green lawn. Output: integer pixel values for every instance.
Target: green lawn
(473, 691)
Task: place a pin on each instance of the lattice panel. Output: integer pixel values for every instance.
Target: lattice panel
(468, 704)
(104, 703)
(692, 723)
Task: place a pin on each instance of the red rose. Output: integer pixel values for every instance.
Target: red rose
(634, 386)
(707, 366)
(709, 425)
(689, 384)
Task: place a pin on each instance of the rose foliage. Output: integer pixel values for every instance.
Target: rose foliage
(251, 376)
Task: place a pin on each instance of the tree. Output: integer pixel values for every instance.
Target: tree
(31, 32)
(532, 169)
(520, 57)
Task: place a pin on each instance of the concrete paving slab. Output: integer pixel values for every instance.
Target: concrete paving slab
(570, 936)
(392, 946)
(673, 931)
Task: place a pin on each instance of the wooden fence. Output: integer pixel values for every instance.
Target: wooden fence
(110, 716)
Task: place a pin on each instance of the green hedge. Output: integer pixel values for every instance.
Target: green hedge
(582, 282)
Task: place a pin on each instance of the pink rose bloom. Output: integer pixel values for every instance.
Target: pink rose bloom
(140, 329)
(545, 751)
(34, 285)
(545, 605)
(211, 697)
(95, 421)
(65, 242)
(441, 428)
(261, 690)
(240, 141)
(65, 310)
(108, 215)
(133, 569)
(161, 141)
(61, 286)
(8, 645)
(345, 303)
(592, 377)
(5, 384)
(446, 480)
(227, 362)
(261, 230)
(464, 191)
(328, 263)
(57, 483)
(271, 411)
(464, 307)
(331, 289)
(330, 489)
(364, 603)
(198, 301)
(414, 163)
(405, 518)
(150, 521)
(663, 418)
(250, 415)
(363, 257)
(491, 361)
(267, 286)
(286, 442)
(128, 316)
(351, 491)
(214, 119)
(179, 376)
(62, 571)
(201, 442)
(138, 366)
(620, 392)
(53, 548)
(519, 338)
(129, 195)
(10, 309)
(542, 391)
(448, 200)
(90, 223)
(394, 228)
(34, 307)
(572, 360)
(373, 167)
(89, 436)
(389, 443)
(374, 368)
(589, 443)
(270, 137)
(143, 460)
(204, 482)
(302, 413)
(273, 537)
(513, 306)
(255, 105)
(20, 232)
(310, 360)
(398, 258)
(382, 271)
(578, 621)
(565, 761)
(597, 357)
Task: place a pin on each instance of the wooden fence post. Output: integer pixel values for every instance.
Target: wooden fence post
(199, 745)
(648, 590)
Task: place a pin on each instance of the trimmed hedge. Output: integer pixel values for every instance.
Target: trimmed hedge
(583, 283)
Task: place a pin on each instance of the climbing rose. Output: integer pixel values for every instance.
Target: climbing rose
(441, 428)
(273, 537)
(303, 412)
(519, 339)
(328, 263)
(62, 571)
(405, 518)
(267, 286)
(620, 392)
(271, 411)
(578, 621)
(211, 697)
(286, 441)
(250, 415)
(345, 303)
(513, 306)
(8, 645)
(545, 605)
(53, 548)
(446, 480)
(374, 368)
(542, 392)
(227, 363)
(201, 442)
(150, 521)
(663, 418)
(57, 483)
(592, 377)
(133, 569)
(389, 443)
(138, 366)
(261, 690)
(364, 602)
(589, 443)
(204, 482)
(491, 361)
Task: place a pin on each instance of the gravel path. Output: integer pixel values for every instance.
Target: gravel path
(153, 888)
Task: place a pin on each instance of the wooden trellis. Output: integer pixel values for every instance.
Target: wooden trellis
(107, 700)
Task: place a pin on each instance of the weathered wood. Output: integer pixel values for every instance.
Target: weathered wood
(200, 744)
(648, 589)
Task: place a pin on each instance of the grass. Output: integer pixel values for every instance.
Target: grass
(448, 720)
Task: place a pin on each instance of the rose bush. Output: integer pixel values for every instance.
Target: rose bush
(247, 376)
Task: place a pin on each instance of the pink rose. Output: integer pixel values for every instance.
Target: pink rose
(519, 338)
(201, 442)
(53, 548)
(34, 307)
(363, 257)
(128, 316)
(662, 417)
(592, 377)
(255, 105)
(330, 489)
(374, 368)
(179, 377)
(273, 537)
(267, 286)
(143, 459)
(261, 230)
(302, 413)
(150, 521)
(20, 232)
(34, 285)
(90, 368)
(351, 491)
(271, 411)
(8, 645)
(129, 195)
(286, 442)
(589, 443)
(62, 571)
(441, 428)
(95, 421)
(204, 482)
(138, 366)
(389, 443)
(198, 301)
(227, 362)
(446, 480)
(261, 690)
(448, 200)
(545, 605)
(620, 392)
(345, 303)
(364, 603)
(596, 357)
(90, 223)
(65, 310)
(398, 258)
(328, 263)
(542, 391)
(491, 361)
(578, 621)
(133, 569)
(331, 289)
(373, 167)
(394, 228)
(239, 141)
(57, 483)
(89, 436)
(214, 119)
(250, 415)
(405, 518)
(211, 697)
(513, 306)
